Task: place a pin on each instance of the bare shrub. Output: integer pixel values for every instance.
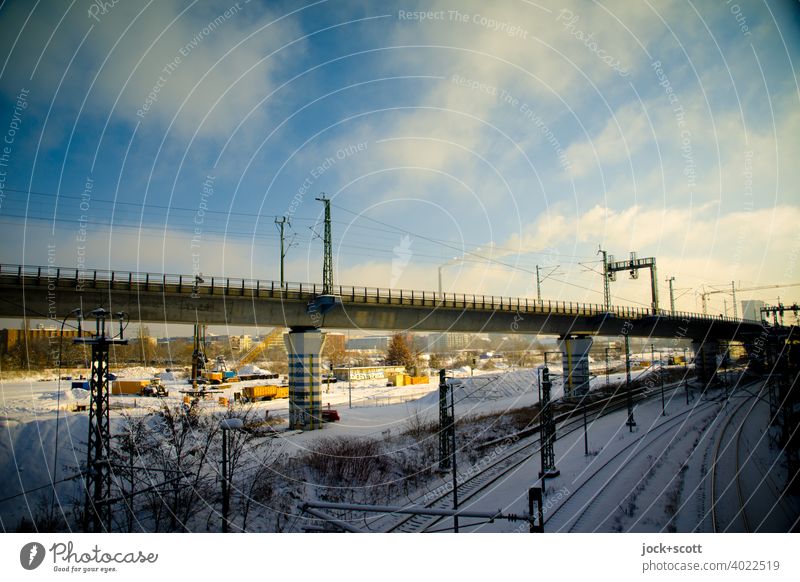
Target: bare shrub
(418, 427)
(351, 460)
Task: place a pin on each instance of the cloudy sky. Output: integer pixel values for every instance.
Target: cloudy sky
(472, 138)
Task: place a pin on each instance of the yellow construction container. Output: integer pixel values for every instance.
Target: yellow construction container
(214, 377)
(399, 379)
(223, 401)
(283, 392)
(267, 392)
(420, 379)
(119, 387)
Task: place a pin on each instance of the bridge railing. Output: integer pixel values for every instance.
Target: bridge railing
(91, 279)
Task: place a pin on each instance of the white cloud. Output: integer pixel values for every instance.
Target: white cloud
(208, 61)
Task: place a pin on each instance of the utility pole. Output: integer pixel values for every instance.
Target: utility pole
(606, 288)
(631, 423)
(660, 375)
(445, 456)
(226, 485)
(539, 280)
(733, 291)
(281, 224)
(453, 456)
(98, 468)
(608, 379)
(547, 431)
(538, 285)
(671, 295)
(585, 429)
(327, 262)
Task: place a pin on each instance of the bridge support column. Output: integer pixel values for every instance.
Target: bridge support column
(575, 364)
(705, 361)
(304, 349)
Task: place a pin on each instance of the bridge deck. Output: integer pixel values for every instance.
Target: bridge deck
(53, 292)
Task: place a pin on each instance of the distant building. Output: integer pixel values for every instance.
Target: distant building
(378, 343)
(449, 342)
(11, 337)
(751, 309)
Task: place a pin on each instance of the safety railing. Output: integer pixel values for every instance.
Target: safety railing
(92, 279)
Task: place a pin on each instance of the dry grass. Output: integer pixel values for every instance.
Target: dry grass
(351, 460)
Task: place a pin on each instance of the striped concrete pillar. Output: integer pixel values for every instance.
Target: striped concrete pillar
(304, 351)
(575, 365)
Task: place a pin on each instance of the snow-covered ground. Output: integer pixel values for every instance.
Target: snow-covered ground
(652, 479)
(28, 418)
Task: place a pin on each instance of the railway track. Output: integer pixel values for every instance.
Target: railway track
(506, 463)
(615, 467)
(741, 514)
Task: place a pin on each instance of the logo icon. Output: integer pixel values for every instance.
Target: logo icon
(31, 555)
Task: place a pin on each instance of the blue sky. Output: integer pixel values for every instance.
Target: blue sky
(487, 137)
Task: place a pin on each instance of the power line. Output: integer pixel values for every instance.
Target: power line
(27, 491)
(393, 228)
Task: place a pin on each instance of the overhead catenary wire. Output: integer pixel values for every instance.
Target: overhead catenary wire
(51, 484)
(371, 249)
(267, 215)
(386, 228)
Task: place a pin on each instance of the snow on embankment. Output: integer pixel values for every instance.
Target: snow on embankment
(27, 461)
(492, 393)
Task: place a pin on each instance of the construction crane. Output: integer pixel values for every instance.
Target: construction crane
(733, 290)
(256, 350)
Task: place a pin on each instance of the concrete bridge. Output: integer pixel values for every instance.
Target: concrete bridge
(53, 292)
(42, 292)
